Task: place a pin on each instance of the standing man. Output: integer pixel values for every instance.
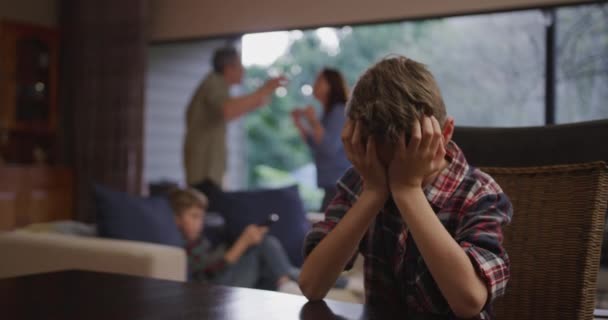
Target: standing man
(210, 109)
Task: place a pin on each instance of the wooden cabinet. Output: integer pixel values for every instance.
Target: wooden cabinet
(34, 194)
(31, 191)
(29, 58)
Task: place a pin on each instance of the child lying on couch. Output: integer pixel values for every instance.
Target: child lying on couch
(254, 260)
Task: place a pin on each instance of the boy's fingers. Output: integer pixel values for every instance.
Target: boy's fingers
(356, 140)
(348, 148)
(356, 136)
(370, 153)
(400, 148)
(349, 153)
(416, 137)
(439, 155)
(262, 230)
(347, 133)
(437, 137)
(436, 127)
(401, 143)
(427, 132)
(441, 152)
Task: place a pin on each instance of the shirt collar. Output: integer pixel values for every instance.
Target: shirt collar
(448, 180)
(190, 245)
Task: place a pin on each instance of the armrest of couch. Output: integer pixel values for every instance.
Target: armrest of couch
(26, 253)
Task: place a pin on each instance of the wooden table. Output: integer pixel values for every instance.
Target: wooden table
(89, 295)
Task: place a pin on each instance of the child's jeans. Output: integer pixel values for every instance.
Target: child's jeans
(259, 267)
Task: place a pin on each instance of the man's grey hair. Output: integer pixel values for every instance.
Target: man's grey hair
(223, 57)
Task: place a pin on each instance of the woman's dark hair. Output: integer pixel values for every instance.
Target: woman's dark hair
(338, 89)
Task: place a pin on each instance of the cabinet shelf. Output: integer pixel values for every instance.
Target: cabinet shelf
(29, 58)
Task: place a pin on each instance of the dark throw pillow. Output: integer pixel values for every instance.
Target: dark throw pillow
(243, 208)
(121, 216)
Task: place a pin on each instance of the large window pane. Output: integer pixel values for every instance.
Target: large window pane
(582, 63)
(489, 67)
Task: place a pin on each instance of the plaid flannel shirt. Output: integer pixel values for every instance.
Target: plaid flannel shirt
(469, 204)
(205, 261)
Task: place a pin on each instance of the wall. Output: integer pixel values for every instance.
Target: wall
(41, 12)
(179, 19)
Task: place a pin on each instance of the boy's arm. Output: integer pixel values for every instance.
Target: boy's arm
(480, 235)
(215, 261)
(251, 236)
(467, 278)
(235, 252)
(478, 269)
(450, 266)
(218, 261)
(328, 259)
(331, 255)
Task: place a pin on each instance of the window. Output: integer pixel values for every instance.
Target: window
(490, 68)
(582, 63)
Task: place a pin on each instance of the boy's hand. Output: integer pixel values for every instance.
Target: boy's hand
(422, 157)
(253, 235)
(363, 156)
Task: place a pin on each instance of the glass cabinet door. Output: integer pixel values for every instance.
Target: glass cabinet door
(32, 81)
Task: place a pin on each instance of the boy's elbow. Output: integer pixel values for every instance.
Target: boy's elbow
(467, 312)
(311, 290)
(469, 305)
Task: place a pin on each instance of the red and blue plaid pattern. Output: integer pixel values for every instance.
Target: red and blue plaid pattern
(471, 206)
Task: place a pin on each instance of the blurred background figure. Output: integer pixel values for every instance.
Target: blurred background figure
(323, 133)
(210, 109)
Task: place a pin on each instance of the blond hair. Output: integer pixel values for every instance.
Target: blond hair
(391, 95)
(183, 199)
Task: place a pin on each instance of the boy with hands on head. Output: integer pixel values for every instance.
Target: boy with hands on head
(428, 225)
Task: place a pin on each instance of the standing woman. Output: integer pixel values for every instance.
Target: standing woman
(323, 135)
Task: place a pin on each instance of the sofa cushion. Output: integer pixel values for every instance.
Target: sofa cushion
(122, 216)
(25, 253)
(242, 208)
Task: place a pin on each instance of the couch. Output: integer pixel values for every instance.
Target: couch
(38, 250)
(27, 252)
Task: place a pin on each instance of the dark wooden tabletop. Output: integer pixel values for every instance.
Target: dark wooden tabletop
(89, 295)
